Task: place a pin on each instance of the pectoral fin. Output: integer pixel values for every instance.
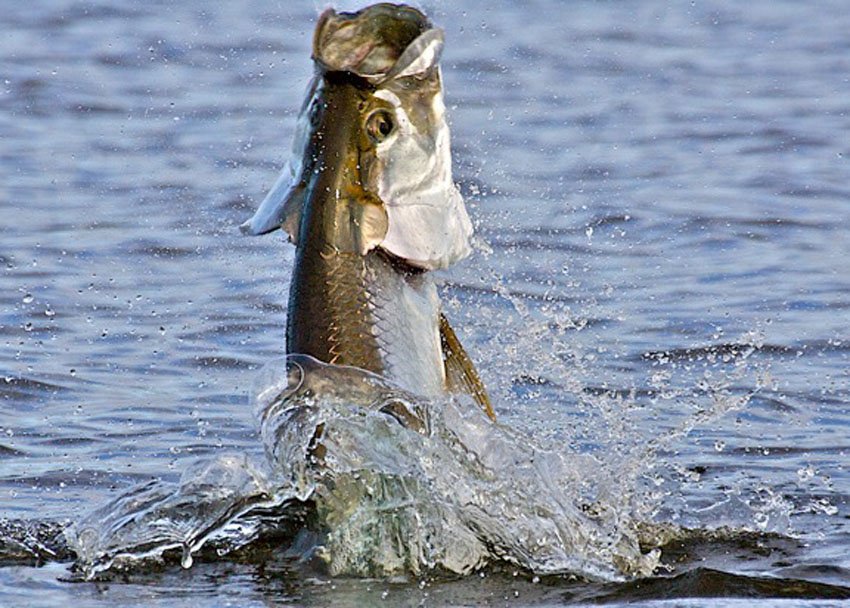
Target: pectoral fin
(461, 376)
(281, 207)
(358, 226)
(369, 225)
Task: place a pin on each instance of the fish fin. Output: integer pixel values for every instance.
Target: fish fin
(370, 225)
(461, 376)
(361, 225)
(281, 208)
(292, 214)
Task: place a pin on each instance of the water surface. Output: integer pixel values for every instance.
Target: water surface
(660, 194)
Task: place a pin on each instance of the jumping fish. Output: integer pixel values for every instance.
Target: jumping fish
(367, 198)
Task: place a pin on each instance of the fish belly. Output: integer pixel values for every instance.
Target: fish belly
(349, 309)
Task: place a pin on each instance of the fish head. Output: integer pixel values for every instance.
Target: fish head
(372, 141)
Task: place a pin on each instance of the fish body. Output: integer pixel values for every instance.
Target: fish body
(368, 199)
(364, 311)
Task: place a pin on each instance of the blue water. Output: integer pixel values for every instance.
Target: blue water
(660, 192)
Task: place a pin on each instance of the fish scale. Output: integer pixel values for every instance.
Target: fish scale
(405, 310)
(357, 310)
(329, 311)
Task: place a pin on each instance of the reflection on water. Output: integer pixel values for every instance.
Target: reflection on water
(659, 289)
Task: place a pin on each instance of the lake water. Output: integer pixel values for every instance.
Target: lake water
(660, 289)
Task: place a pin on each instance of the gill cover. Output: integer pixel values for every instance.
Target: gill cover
(397, 51)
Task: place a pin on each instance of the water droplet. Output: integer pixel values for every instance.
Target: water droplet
(806, 473)
(186, 561)
(589, 231)
(28, 298)
(28, 326)
(719, 445)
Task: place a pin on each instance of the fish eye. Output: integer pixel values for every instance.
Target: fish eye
(379, 125)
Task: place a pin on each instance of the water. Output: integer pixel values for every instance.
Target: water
(454, 493)
(658, 288)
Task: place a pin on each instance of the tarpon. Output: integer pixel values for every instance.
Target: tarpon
(367, 198)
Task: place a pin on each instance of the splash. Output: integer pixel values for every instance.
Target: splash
(451, 492)
(209, 502)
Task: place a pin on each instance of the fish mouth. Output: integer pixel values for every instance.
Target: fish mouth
(368, 42)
